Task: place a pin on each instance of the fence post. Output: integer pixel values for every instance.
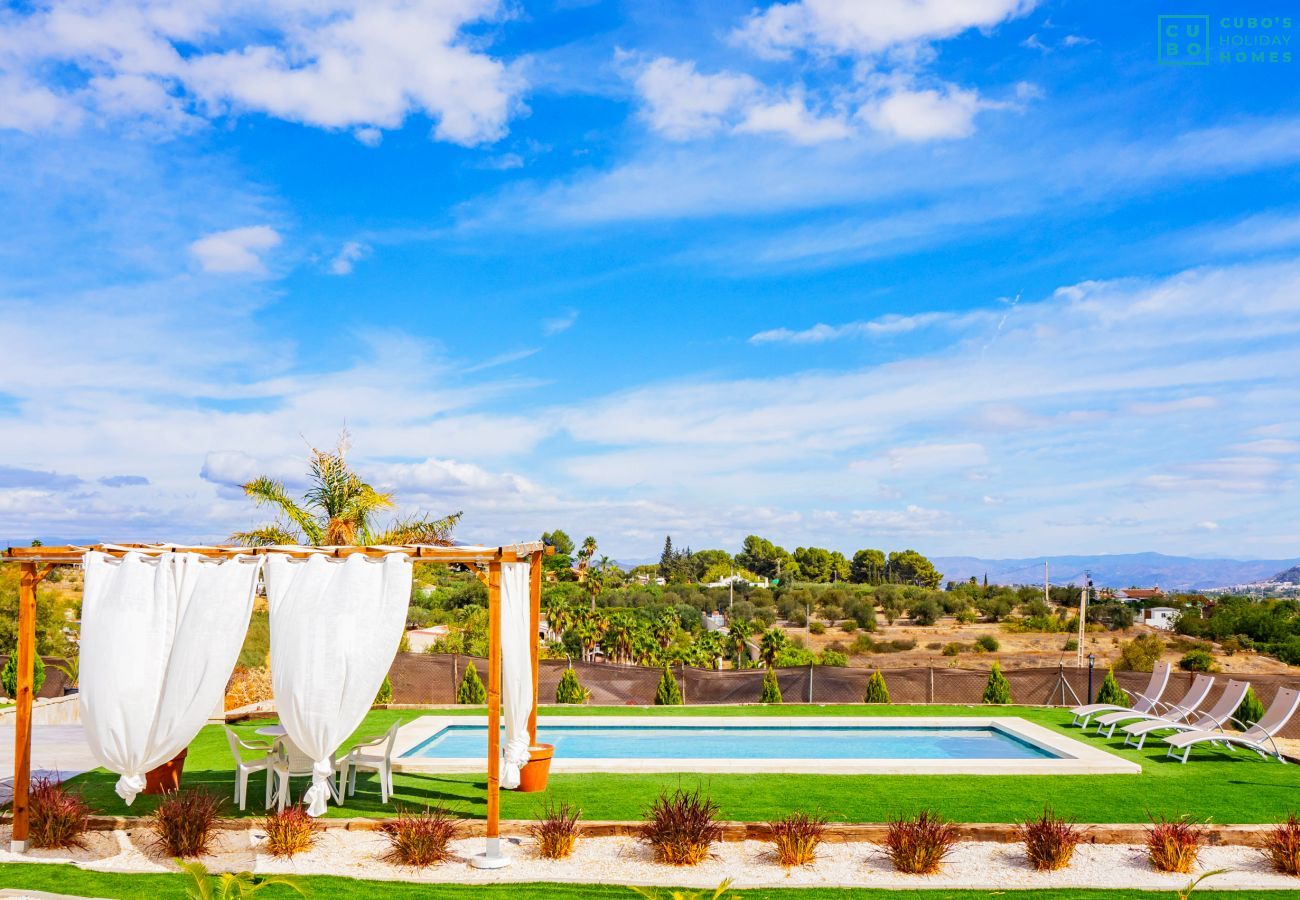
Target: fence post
(455, 675)
(810, 682)
(929, 693)
(681, 670)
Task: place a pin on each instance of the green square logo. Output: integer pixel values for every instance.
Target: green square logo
(1183, 40)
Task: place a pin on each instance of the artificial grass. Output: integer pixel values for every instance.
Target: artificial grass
(1215, 785)
(68, 879)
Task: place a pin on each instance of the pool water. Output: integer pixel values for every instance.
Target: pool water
(747, 742)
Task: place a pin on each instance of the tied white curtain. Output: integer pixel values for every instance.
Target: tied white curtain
(159, 638)
(335, 627)
(516, 670)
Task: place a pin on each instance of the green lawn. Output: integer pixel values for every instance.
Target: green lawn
(1221, 787)
(66, 879)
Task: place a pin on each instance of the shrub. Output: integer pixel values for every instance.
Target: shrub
(1141, 653)
(918, 846)
(832, 657)
(877, 690)
(289, 831)
(1174, 845)
(987, 643)
(1251, 710)
(816, 628)
(952, 649)
(1198, 661)
(1282, 846)
(797, 838)
(420, 838)
(248, 686)
(1071, 645)
(848, 626)
(998, 689)
(185, 822)
(669, 692)
(771, 688)
(556, 831)
(569, 690)
(231, 885)
(471, 691)
(1049, 840)
(1110, 691)
(925, 611)
(59, 817)
(9, 675)
(681, 827)
(385, 695)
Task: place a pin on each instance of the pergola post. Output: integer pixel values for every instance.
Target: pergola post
(28, 580)
(535, 625)
(491, 857)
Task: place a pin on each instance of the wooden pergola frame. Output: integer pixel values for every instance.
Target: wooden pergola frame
(36, 563)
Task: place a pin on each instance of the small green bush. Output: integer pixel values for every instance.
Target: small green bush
(848, 626)
(9, 675)
(1071, 645)
(832, 657)
(471, 690)
(669, 692)
(816, 627)
(385, 695)
(1250, 710)
(1110, 691)
(569, 690)
(1198, 661)
(771, 688)
(877, 690)
(998, 689)
(1141, 653)
(952, 649)
(987, 643)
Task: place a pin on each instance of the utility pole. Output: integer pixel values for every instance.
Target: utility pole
(731, 590)
(1083, 616)
(1047, 586)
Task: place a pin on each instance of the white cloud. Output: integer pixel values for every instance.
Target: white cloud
(854, 26)
(682, 103)
(791, 118)
(924, 115)
(342, 64)
(371, 137)
(557, 324)
(348, 256)
(235, 251)
(889, 324)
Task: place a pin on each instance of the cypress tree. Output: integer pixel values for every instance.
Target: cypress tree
(877, 690)
(1250, 710)
(385, 695)
(669, 693)
(9, 676)
(998, 690)
(1110, 691)
(471, 690)
(771, 687)
(569, 690)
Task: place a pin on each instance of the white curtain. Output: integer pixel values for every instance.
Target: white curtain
(335, 628)
(516, 670)
(159, 638)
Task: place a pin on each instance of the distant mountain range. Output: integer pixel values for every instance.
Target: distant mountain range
(1121, 570)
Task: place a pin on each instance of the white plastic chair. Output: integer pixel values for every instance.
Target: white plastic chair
(380, 763)
(245, 767)
(291, 762)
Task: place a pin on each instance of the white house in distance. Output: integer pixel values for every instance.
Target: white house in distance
(727, 580)
(1162, 617)
(419, 639)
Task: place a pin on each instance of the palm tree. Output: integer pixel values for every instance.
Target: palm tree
(773, 642)
(560, 617)
(338, 509)
(618, 639)
(585, 554)
(738, 640)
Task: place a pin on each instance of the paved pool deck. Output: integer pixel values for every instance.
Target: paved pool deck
(56, 750)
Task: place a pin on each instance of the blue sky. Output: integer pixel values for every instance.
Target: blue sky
(973, 277)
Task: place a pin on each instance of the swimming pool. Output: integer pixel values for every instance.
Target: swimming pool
(812, 744)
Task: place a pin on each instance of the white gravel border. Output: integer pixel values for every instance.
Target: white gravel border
(749, 864)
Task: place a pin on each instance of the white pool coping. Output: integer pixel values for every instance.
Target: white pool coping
(1072, 757)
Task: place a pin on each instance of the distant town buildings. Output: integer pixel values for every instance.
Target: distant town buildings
(1138, 595)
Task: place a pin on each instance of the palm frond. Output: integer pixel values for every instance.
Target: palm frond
(269, 492)
(266, 536)
(419, 530)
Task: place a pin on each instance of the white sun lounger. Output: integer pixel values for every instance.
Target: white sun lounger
(1142, 702)
(1233, 693)
(1177, 712)
(1258, 737)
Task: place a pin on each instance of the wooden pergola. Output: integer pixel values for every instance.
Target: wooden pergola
(36, 562)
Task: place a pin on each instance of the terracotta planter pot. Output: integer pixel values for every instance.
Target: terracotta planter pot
(167, 777)
(532, 777)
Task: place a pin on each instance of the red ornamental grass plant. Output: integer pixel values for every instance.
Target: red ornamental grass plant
(681, 828)
(1049, 840)
(556, 830)
(421, 838)
(289, 831)
(59, 817)
(797, 838)
(1282, 846)
(185, 822)
(919, 845)
(1173, 845)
